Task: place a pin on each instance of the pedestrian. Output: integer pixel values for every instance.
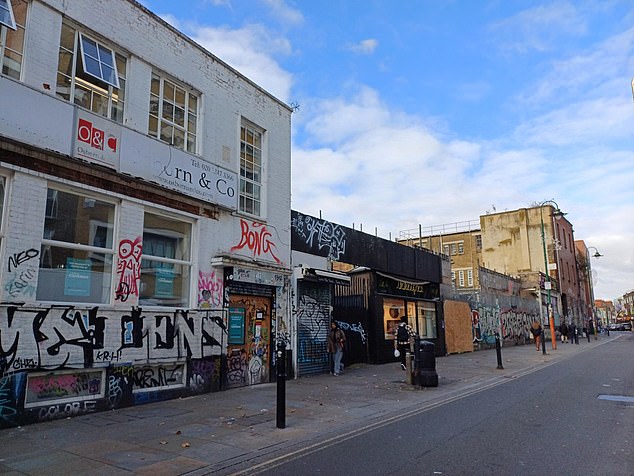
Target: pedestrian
(402, 338)
(574, 333)
(336, 341)
(536, 330)
(591, 330)
(563, 330)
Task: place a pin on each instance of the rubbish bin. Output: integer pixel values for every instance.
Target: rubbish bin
(425, 363)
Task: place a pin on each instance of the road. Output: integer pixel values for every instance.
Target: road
(573, 417)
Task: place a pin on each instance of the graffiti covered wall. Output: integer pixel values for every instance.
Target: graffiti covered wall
(65, 361)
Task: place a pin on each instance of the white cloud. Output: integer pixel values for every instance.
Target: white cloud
(602, 70)
(250, 50)
(365, 47)
(284, 12)
(538, 28)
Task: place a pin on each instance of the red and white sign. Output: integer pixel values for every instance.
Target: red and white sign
(96, 139)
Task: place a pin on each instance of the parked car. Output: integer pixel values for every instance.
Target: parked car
(621, 326)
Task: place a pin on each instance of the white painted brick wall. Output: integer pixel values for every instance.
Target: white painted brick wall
(226, 98)
(24, 225)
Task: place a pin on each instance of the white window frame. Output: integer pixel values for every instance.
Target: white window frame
(188, 263)
(470, 278)
(5, 58)
(6, 14)
(461, 278)
(254, 180)
(191, 118)
(82, 247)
(102, 53)
(89, 91)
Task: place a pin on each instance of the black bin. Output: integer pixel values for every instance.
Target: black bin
(425, 363)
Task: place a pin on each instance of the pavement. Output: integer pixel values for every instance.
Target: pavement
(236, 431)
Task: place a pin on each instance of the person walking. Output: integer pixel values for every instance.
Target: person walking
(336, 341)
(563, 330)
(402, 338)
(536, 330)
(574, 333)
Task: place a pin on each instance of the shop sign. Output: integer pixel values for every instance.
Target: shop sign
(96, 139)
(399, 287)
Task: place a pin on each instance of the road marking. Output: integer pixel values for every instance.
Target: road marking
(616, 398)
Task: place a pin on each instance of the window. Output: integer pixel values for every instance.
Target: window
(98, 61)
(461, 278)
(426, 313)
(478, 241)
(77, 249)
(12, 32)
(166, 261)
(6, 14)
(90, 74)
(470, 277)
(250, 169)
(461, 247)
(173, 113)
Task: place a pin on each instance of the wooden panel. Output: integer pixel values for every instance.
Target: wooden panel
(458, 327)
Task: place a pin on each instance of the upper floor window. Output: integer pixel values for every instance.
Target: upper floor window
(12, 32)
(166, 261)
(478, 242)
(173, 113)
(250, 169)
(6, 14)
(91, 74)
(77, 249)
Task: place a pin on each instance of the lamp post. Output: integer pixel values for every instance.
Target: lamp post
(594, 316)
(547, 284)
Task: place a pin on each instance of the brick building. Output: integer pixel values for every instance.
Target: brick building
(145, 228)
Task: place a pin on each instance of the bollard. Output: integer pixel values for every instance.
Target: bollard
(280, 365)
(498, 350)
(408, 368)
(425, 363)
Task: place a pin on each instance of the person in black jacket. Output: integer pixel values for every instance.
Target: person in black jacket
(402, 338)
(536, 330)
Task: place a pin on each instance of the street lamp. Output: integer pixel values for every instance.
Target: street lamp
(551, 320)
(597, 254)
(594, 317)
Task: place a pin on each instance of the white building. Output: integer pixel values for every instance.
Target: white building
(145, 228)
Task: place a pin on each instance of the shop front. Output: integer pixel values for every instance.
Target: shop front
(416, 302)
(252, 297)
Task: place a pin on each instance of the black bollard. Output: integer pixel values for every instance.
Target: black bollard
(498, 350)
(280, 365)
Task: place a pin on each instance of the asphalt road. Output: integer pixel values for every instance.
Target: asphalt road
(573, 417)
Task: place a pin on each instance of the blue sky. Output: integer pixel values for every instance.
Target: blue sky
(435, 112)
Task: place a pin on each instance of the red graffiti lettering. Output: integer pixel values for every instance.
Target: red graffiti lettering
(256, 238)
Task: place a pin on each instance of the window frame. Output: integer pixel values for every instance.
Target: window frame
(190, 134)
(185, 264)
(90, 249)
(5, 31)
(9, 9)
(247, 184)
(72, 78)
(98, 47)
